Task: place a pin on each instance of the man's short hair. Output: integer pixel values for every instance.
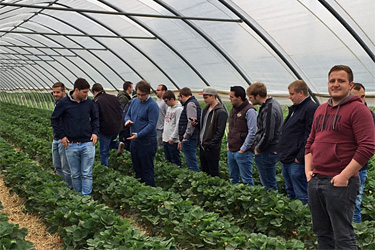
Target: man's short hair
(238, 92)
(169, 95)
(186, 92)
(97, 87)
(299, 86)
(358, 86)
(143, 86)
(163, 87)
(345, 68)
(59, 85)
(81, 83)
(257, 88)
(126, 85)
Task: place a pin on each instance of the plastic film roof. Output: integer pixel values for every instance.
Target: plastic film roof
(182, 43)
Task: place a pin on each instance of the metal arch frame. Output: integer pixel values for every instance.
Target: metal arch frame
(46, 62)
(25, 86)
(211, 42)
(348, 28)
(132, 45)
(25, 76)
(48, 38)
(33, 78)
(94, 68)
(15, 69)
(169, 46)
(122, 13)
(5, 82)
(93, 54)
(268, 42)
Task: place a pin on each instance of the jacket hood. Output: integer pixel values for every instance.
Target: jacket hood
(351, 98)
(71, 97)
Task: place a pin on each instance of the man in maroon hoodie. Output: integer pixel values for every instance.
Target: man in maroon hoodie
(341, 141)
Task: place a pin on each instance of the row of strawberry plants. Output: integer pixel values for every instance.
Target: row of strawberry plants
(166, 213)
(207, 229)
(262, 223)
(11, 236)
(81, 222)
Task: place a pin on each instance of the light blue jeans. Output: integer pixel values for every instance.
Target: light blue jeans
(60, 162)
(241, 166)
(189, 148)
(81, 161)
(357, 209)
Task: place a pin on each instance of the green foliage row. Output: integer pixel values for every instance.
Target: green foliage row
(192, 226)
(11, 236)
(166, 213)
(251, 207)
(209, 193)
(81, 222)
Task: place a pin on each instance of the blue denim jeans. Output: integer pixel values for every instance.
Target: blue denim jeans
(266, 164)
(295, 181)
(332, 212)
(106, 143)
(81, 161)
(357, 210)
(241, 166)
(171, 153)
(60, 162)
(189, 148)
(143, 152)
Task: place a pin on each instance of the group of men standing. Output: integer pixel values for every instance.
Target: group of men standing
(321, 149)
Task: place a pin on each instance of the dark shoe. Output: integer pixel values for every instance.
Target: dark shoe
(120, 148)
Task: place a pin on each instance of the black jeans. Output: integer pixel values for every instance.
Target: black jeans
(332, 211)
(210, 161)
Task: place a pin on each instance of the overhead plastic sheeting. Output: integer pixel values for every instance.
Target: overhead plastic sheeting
(181, 43)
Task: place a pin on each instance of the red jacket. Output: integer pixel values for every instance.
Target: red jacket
(339, 134)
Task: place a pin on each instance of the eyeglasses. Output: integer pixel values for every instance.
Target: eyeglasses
(139, 94)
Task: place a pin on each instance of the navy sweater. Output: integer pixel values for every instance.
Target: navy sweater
(78, 120)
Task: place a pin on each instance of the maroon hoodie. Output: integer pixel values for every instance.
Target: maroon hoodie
(339, 134)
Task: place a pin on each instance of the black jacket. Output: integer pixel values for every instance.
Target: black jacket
(295, 131)
(215, 127)
(110, 113)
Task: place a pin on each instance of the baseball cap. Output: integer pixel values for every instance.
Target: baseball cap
(209, 91)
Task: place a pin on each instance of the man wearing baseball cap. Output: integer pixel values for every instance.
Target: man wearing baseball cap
(212, 125)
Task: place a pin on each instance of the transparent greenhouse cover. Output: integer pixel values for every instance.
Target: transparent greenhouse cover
(185, 43)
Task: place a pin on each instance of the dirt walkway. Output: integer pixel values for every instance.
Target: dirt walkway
(14, 207)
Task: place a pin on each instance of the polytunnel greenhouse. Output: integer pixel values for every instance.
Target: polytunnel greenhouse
(176, 44)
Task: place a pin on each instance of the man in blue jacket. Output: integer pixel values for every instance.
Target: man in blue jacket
(78, 133)
(294, 133)
(143, 116)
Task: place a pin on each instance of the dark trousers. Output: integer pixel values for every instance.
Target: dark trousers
(332, 212)
(210, 161)
(171, 153)
(143, 153)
